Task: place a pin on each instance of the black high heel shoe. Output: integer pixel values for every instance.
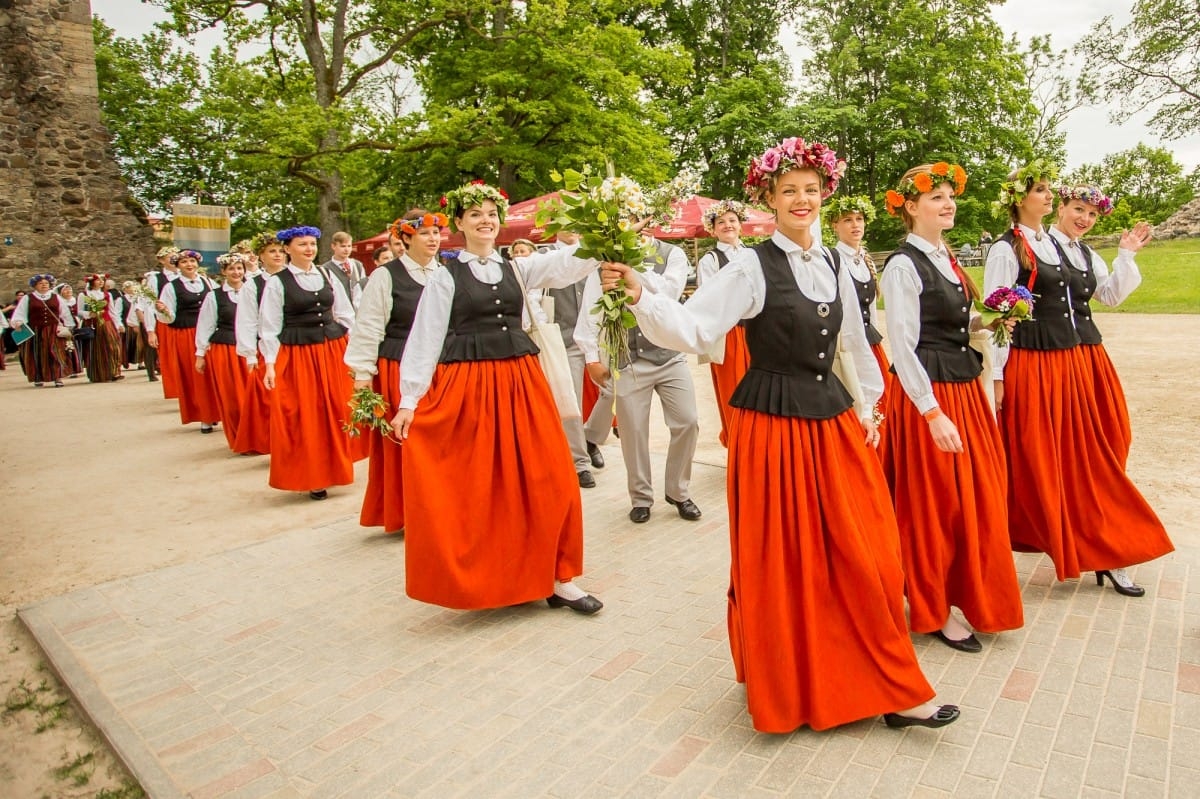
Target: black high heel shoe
(1133, 589)
(942, 716)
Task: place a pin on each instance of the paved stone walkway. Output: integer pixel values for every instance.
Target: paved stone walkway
(298, 668)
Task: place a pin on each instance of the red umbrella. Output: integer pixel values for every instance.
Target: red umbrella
(689, 221)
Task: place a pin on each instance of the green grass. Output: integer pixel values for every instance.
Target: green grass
(1170, 278)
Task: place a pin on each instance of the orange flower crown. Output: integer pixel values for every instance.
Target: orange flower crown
(923, 182)
(411, 225)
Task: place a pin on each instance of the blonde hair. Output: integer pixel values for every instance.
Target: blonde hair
(341, 237)
(907, 218)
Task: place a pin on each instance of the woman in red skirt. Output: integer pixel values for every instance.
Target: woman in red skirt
(254, 417)
(1078, 210)
(216, 345)
(942, 453)
(493, 515)
(816, 596)
(848, 217)
(178, 312)
(303, 319)
(381, 327)
(98, 311)
(1068, 493)
(729, 358)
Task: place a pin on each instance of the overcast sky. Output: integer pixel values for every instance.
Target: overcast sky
(1090, 134)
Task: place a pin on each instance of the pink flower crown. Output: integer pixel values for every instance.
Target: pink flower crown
(1087, 194)
(789, 154)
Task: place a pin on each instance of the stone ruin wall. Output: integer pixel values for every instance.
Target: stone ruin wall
(62, 200)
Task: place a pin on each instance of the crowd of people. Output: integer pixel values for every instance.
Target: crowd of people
(868, 496)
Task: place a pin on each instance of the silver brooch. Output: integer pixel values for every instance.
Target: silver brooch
(822, 309)
(804, 256)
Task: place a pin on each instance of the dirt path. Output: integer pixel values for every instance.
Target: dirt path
(100, 482)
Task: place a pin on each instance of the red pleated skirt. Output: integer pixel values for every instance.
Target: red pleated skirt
(169, 340)
(816, 598)
(591, 395)
(254, 417)
(952, 509)
(197, 400)
(727, 375)
(227, 376)
(1112, 413)
(309, 405)
(1068, 493)
(885, 368)
(105, 364)
(491, 502)
(383, 502)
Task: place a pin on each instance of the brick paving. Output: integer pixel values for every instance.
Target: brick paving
(297, 667)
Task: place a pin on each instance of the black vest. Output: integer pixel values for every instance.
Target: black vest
(161, 280)
(1051, 327)
(226, 316)
(260, 283)
(1083, 286)
(722, 262)
(406, 293)
(307, 315)
(944, 345)
(867, 293)
(791, 348)
(485, 319)
(332, 268)
(187, 304)
(640, 347)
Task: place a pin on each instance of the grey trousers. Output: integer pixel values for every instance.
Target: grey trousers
(673, 383)
(579, 433)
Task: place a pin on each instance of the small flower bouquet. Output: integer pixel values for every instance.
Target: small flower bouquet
(368, 411)
(662, 202)
(95, 307)
(1005, 303)
(606, 213)
(148, 293)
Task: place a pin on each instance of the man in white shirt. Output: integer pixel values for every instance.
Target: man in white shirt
(652, 369)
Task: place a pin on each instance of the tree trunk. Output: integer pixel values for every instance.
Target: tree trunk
(330, 217)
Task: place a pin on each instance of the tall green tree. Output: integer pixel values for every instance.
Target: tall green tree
(1147, 183)
(1151, 63)
(896, 83)
(513, 91)
(736, 100)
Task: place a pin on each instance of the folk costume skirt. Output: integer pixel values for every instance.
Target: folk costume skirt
(170, 339)
(309, 449)
(197, 400)
(44, 357)
(1112, 413)
(1068, 493)
(383, 502)
(104, 365)
(886, 369)
(816, 597)
(227, 377)
(492, 509)
(952, 509)
(254, 417)
(728, 374)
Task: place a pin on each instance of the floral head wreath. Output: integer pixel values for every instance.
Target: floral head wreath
(262, 241)
(286, 235)
(472, 194)
(179, 255)
(838, 207)
(923, 182)
(166, 252)
(1087, 194)
(719, 209)
(92, 278)
(231, 258)
(1015, 190)
(49, 278)
(410, 225)
(791, 154)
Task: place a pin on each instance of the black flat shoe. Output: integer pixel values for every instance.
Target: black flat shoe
(586, 605)
(318, 495)
(206, 428)
(586, 480)
(943, 716)
(1133, 589)
(968, 644)
(639, 515)
(596, 455)
(687, 509)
